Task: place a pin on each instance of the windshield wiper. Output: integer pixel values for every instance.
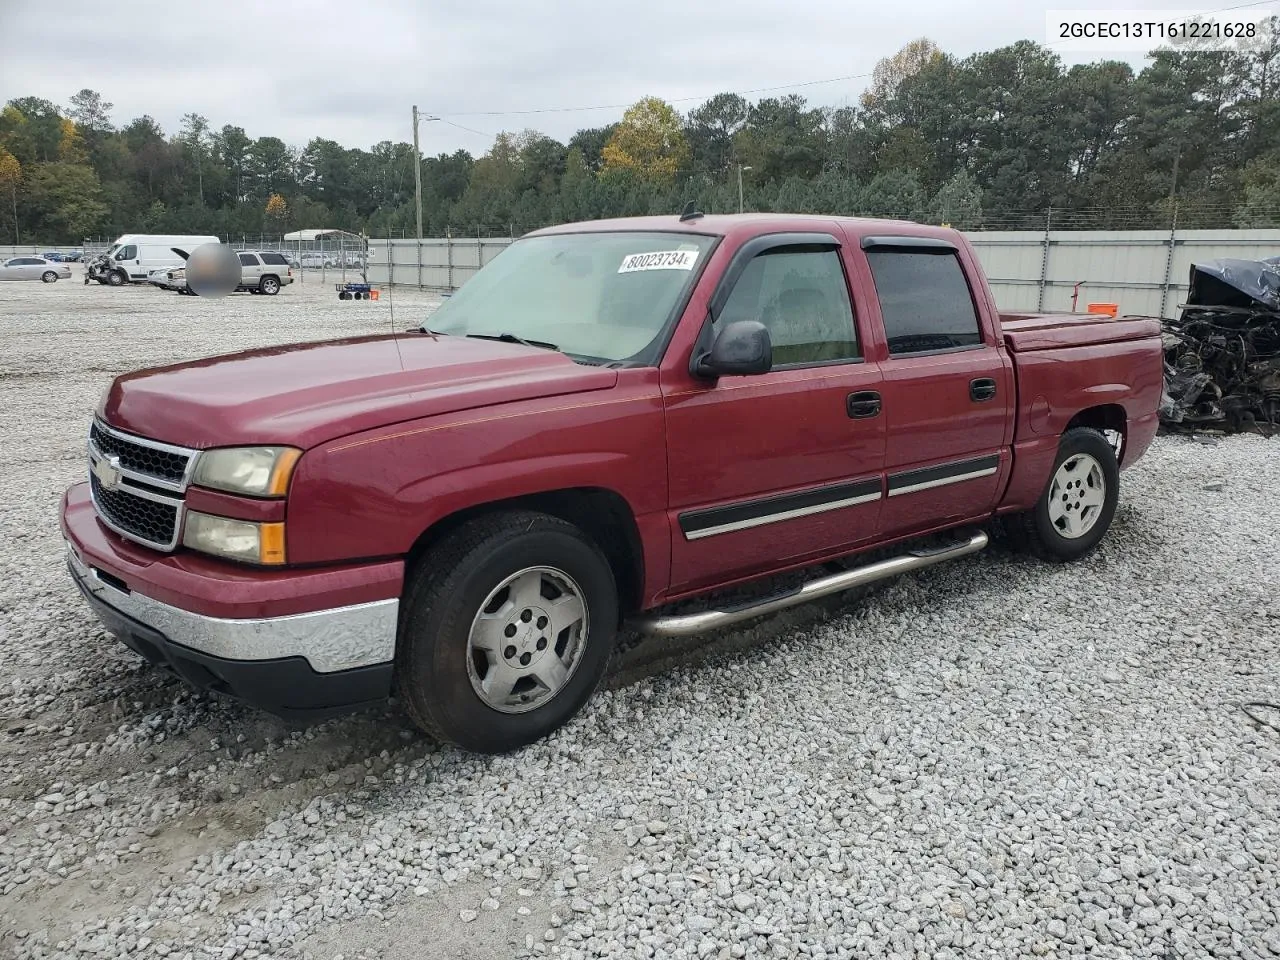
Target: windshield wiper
(512, 338)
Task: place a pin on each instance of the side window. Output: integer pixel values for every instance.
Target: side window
(128, 253)
(275, 259)
(248, 260)
(801, 296)
(925, 301)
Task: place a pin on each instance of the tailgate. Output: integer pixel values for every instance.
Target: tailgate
(1024, 333)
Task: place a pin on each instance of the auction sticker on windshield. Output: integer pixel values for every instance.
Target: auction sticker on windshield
(659, 260)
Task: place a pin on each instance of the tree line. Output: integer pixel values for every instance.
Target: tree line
(991, 140)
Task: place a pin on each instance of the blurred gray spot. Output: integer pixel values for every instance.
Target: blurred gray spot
(213, 270)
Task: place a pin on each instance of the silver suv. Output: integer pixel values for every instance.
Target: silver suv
(264, 271)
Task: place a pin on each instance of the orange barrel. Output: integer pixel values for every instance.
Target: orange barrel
(373, 294)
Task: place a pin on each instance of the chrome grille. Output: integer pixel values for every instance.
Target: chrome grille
(159, 461)
(149, 521)
(138, 485)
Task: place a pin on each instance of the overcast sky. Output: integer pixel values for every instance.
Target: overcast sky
(350, 70)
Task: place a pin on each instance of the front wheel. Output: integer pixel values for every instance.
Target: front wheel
(116, 278)
(507, 630)
(49, 277)
(1077, 506)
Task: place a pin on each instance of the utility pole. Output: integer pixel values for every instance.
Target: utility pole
(417, 174)
(740, 169)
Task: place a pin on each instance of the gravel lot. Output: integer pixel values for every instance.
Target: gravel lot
(993, 758)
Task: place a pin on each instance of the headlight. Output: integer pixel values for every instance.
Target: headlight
(236, 539)
(257, 471)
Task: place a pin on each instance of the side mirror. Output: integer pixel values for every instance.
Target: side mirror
(740, 349)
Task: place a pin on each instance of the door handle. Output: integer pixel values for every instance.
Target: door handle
(983, 388)
(863, 404)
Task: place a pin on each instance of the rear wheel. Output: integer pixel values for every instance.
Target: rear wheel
(507, 629)
(49, 277)
(270, 286)
(1077, 506)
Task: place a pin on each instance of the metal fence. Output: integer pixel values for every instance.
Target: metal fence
(437, 264)
(33, 249)
(1144, 271)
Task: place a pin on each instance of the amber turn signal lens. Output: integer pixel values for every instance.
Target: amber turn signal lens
(271, 543)
(282, 472)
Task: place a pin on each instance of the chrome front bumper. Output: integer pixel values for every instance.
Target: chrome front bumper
(340, 638)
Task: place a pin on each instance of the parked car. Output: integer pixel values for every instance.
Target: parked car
(264, 271)
(74, 256)
(54, 256)
(172, 278)
(134, 256)
(34, 268)
(610, 417)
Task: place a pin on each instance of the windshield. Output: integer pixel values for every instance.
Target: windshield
(595, 296)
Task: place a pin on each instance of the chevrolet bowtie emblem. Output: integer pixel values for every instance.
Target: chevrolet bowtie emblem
(107, 470)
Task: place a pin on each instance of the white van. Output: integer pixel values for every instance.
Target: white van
(134, 256)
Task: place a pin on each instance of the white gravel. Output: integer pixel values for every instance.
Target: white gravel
(993, 758)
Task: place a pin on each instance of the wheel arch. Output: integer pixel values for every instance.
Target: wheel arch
(602, 514)
(1108, 418)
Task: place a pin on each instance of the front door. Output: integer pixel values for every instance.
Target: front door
(948, 392)
(130, 261)
(783, 466)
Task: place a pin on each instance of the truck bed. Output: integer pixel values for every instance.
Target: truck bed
(1028, 332)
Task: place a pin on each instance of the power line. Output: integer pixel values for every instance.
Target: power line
(478, 133)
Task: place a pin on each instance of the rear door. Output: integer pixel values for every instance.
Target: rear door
(948, 387)
(784, 466)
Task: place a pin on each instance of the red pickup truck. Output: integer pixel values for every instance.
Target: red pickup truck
(610, 417)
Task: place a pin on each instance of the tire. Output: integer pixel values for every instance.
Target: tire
(48, 277)
(269, 285)
(116, 278)
(1073, 514)
(498, 689)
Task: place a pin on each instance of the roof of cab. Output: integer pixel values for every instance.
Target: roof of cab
(750, 224)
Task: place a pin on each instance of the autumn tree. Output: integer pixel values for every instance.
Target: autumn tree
(648, 142)
(889, 72)
(277, 210)
(10, 178)
(71, 147)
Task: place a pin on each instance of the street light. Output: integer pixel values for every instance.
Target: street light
(740, 169)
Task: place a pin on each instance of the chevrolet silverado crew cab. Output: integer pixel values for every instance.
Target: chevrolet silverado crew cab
(609, 417)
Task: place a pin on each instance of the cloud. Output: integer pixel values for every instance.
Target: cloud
(351, 72)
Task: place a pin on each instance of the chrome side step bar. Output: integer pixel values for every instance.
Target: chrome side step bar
(691, 624)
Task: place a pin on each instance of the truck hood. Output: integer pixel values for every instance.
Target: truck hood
(308, 393)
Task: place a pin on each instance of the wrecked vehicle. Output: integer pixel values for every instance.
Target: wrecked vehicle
(1222, 354)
